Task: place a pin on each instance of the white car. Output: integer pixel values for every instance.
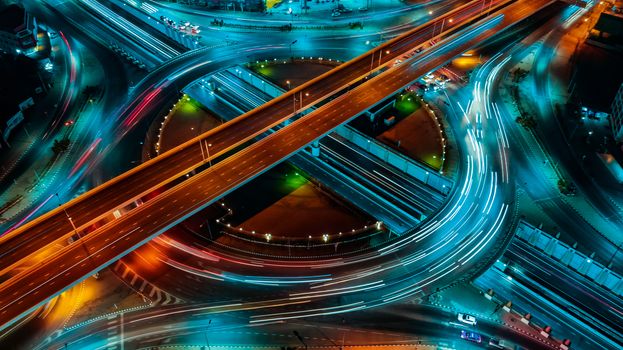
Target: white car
(467, 319)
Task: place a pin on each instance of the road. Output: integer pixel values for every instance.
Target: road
(35, 285)
(573, 306)
(156, 173)
(402, 324)
(387, 194)
(598, 311)
(595, 230)
(530, 160)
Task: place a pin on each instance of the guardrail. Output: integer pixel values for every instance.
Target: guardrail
(569, 256)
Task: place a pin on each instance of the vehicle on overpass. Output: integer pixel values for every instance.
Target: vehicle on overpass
(471, 336)
(467, 319)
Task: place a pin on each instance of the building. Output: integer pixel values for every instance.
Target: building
(616, 115)
(18, 30)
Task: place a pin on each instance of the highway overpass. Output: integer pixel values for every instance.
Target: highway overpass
(35, 285)
(101, 202)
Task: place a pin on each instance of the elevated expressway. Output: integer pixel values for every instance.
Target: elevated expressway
(146, 178)
(447, 244)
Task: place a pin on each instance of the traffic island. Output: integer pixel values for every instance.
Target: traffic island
(417, 134)
(408, 124)
(186, 119)
(292, 72)
(288, 207)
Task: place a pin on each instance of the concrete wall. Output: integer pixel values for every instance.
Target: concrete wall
(387, 154)
(397, 160)
(568, 256)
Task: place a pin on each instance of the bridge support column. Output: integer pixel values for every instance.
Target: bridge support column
(315, 148)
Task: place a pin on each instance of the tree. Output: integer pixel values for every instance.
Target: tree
(526, 121)
(60, 146)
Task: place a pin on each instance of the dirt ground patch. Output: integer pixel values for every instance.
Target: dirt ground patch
(418, 137)
(304, 212)
(187, 120)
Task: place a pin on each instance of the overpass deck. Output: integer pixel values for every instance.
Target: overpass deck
(35, 285)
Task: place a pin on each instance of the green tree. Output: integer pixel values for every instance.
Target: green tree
(60, 146)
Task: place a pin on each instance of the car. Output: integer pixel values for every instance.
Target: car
(500, 344)
(336, 13)
(471, 336)
(69, 122)
(467, 319)
(363, 9)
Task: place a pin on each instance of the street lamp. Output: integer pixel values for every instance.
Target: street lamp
(86, 250)
(381, 55)
(443, 23)
(292, 43)
(298, 336)
(490, 4)
(208, 145)
(206, 334)
(68, 217)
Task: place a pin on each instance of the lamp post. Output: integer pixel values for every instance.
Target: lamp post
(381, 55)
(206, 334)
(203, 156)
(294, 104)
(298, 336)
(73, 226)
(301, 98)
(292, 43)
(208, 145)
(488, 8)
(443, 23)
